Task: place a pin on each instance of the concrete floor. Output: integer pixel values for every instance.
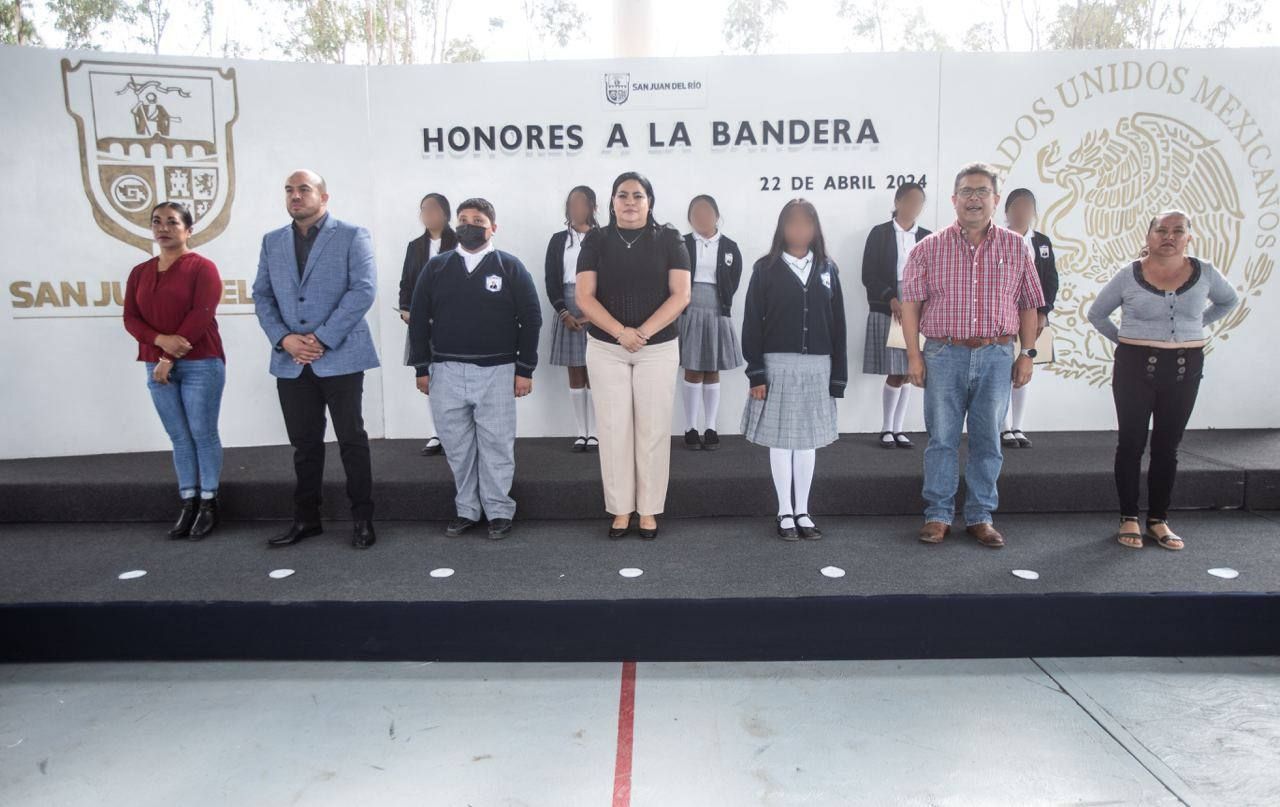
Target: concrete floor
(989, 732)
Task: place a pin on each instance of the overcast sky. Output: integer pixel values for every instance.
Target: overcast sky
(682, 28)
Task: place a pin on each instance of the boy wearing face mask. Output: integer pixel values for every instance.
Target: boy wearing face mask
(473, 334)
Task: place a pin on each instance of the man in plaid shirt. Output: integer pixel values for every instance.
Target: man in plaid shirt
(972, 290)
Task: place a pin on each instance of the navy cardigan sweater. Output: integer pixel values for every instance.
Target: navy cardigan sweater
(782, 316)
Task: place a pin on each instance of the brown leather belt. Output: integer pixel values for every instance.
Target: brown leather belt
(977, 342)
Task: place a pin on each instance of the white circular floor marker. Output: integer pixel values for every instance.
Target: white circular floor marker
(1225, 573)
(629, 572)
(132, 575)
(833, 571)
(442, 572)
(1026, 574)
(279, 574)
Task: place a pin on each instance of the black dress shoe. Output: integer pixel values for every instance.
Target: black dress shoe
(458, 526)
(1008, 440)
(807, 533)
(296, 532)
(206, 519)
(499, 528)
(580, 445)
(593, 443)
(362, 535)
(890, 443)
(788, 533)
(648, 535)
(433, 447)
(186, 518)
(710, 440)
(620, 532)
(692, 441)
(1023, 440)
(902, 441)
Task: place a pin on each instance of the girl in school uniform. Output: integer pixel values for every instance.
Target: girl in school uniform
(1020, 214)
(883, 262)
(793, 338)
(569, 331)
(434, 214)
(708, 342)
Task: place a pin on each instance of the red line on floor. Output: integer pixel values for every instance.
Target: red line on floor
(626, 736)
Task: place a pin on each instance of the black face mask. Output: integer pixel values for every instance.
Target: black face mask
(471, 236)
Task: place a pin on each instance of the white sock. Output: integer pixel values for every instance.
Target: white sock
(431, 422)
(711, 403)
(578, 398)
(803, 462)
(780, 465)
(888, 403)
(900, 412)
(591, 413)
(1017, 407)
(692, 395)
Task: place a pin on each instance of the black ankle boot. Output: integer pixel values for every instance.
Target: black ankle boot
(206, 519)
(185, 519)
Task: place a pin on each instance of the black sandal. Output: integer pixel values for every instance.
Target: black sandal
(788, 533)
(1165, 541)
(1123, 534)
(808, 533)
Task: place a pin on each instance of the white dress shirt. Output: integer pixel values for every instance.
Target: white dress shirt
(906, 243)
(472, 259)
(572, 246)
(433, 247)
(708, 249)
(801, 266)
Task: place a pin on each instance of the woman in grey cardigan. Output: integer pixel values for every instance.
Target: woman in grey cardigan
(1166, 300)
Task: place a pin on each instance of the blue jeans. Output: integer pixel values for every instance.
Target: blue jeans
(188, 407)
(962, 381)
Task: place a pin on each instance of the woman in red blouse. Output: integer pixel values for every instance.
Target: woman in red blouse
(169, 306)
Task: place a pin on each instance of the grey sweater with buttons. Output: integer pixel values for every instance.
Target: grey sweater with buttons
(1152, 314)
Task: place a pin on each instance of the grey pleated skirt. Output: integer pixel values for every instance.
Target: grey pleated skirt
(798, 412)
(708, 342)
(568, 348)
(876, 358)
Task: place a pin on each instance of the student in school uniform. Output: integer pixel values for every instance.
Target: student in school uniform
(883, 261)
(708, 341)
(434, 214)
(794, 341)
(1020, 213)
(473, 336)
(569, 331)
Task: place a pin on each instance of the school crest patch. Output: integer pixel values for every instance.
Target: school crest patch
(493, 283)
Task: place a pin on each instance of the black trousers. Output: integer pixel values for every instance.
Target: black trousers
(1156, 387)
(303, 401)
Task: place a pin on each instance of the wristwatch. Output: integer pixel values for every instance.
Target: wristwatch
(1029, 352)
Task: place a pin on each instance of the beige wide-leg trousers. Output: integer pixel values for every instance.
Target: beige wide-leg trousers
(633, 395)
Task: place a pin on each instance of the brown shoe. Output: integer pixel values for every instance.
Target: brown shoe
(986, 535)
(933, 532)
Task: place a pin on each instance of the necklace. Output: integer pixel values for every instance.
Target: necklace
(630, 243)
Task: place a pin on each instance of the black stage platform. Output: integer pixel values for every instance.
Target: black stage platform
(712, 587)
(1064, 472)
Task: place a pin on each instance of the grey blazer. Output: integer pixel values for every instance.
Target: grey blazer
(335, 291)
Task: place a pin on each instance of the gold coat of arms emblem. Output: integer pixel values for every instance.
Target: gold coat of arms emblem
(153, 133)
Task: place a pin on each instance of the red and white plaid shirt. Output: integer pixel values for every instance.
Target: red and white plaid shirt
(971, 291)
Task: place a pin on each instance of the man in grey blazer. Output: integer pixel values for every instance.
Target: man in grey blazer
(316, 279)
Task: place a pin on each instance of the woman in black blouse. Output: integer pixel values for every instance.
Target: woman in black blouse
(434, 215)
(633, 282)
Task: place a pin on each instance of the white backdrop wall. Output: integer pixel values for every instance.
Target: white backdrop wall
(1103, 138)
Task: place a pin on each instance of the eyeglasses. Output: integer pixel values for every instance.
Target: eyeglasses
(969, 193)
